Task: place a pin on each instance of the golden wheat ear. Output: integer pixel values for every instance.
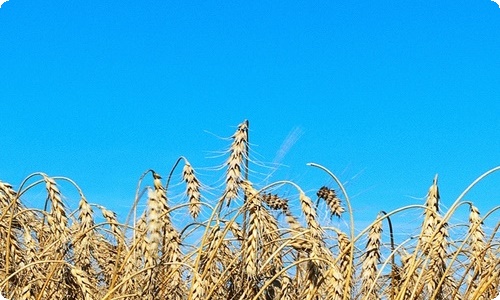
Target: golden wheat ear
(238, 160)
(332, 200)
(371, 259)
(192, 189)
(57, 219)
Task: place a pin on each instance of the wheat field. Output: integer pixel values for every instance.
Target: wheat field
(239, 241)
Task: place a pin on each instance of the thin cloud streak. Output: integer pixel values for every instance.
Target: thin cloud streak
(293, 136)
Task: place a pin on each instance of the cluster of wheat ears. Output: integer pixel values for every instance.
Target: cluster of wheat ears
(245, 242)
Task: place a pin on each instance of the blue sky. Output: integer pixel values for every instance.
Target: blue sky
(383, 93)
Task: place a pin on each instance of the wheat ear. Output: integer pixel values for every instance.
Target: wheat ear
(192, 189)
(370, 261)
(332, 200)
(238, 153)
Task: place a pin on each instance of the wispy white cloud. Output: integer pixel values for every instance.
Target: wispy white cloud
(2, 2)
(287, 144)
(293, 136)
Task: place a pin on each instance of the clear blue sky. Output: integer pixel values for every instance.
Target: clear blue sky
(383, 93)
